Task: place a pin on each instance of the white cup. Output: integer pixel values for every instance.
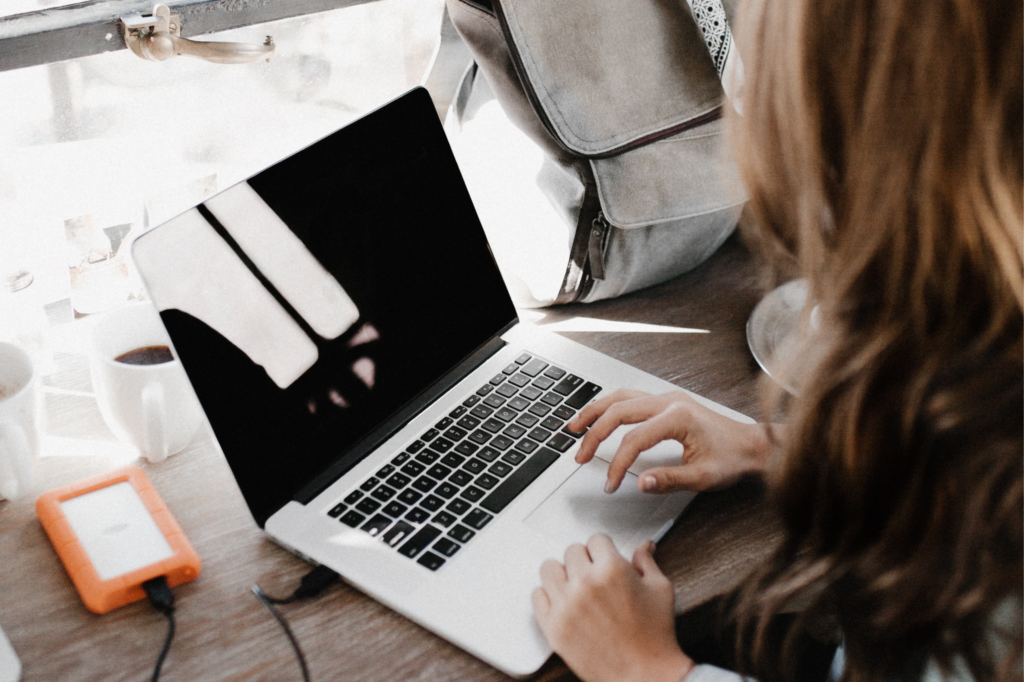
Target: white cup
(19, 428)
(153, 406)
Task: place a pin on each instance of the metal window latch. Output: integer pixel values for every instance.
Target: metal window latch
(157, 37)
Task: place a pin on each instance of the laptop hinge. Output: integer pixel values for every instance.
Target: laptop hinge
(396, 422)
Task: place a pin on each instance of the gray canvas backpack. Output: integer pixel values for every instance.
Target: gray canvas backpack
(625, 98)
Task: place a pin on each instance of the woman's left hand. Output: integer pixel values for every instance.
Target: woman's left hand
(610, 619)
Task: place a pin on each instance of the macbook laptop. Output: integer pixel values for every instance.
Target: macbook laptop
(382, 409)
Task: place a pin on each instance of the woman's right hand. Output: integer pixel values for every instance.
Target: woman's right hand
(717, 450)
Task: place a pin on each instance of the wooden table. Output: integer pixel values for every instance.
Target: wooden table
(225, 634)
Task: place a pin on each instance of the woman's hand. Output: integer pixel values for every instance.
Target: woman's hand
(610, 619)
(717, 451)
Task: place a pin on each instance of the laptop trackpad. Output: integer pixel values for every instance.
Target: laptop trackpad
(580, 508)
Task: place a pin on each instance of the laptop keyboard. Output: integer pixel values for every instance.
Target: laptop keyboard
(457, 476)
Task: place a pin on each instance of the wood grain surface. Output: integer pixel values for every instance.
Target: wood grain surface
(223, 633)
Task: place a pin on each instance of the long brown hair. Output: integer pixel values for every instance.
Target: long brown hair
(881, 143)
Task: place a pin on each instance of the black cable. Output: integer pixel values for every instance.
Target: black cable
(312, 584)
(162, 599)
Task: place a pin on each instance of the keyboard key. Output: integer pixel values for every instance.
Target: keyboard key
(519, 380)
(560, 442)
(432, 503)
(530, 393)
(383, 493)
(369, 484)
(431, 561)
(523, 359)
(488, 454)
(444, 519)
(352, 519)
(568, 384)
(471, 401)
(383, 473)
(419, 541)
(540, 435)
(368, 506)
(564, 412)
(438, 471)
(460, 478)
(573, 434)
(336, 510)
(472, 493)
(376, 525)
(486, 481)
(482, 411)
(505, 414)
(514, 432)
(540, 409)
(518, 404)
(427, 457)
(415, 447)
(474, 466)
(400, 458)
(500, 469)
(424, 484)
(527, 445)
(409, 496)
(457, 412)
(479, 437)
(446, 547)
(552, 398)
(466, 448)
(502, 443)
(400, 531)
(458, 507)
(583, 396)
(500, 497)
(468, 422)
(442, 445)
(399, 480)
(413, 468)
(494, 401)
(497, 379)
(534, 367)
(446, 490)
(418, 515)
(353, 497)
(527, 420)
(552, 424)
(543, 383)
(461, 533)
(484, 390)
(513, 458)
(444, 423)
(430, 435)
(507, 390)
(395, 509)
(511, 369)
(477, 518)
(455, 433)
(555, 373)
(452, 460)
(494, 425)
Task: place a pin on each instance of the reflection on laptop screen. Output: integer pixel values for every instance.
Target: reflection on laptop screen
(312, 302)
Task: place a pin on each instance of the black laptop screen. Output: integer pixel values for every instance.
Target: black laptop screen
(311, 303)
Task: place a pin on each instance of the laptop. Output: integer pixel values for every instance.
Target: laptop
(381, 407)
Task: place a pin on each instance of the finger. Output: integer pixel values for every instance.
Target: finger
(577, 561)
(668, 479)
(617, 414)
(643, 560)
(588, 414)
(541, 605)
(602, 548)
(553, 578)
(646, 436)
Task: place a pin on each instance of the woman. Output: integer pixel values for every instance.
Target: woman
(881, 144)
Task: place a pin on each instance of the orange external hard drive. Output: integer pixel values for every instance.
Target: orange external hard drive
(113, 532)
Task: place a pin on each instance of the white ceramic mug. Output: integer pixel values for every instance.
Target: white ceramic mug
(150, 406)
(19, 428)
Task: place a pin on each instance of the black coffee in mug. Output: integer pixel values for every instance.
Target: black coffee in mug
(147, 355)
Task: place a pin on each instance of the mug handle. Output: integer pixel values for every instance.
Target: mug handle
(153, 413)
(15, 469)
